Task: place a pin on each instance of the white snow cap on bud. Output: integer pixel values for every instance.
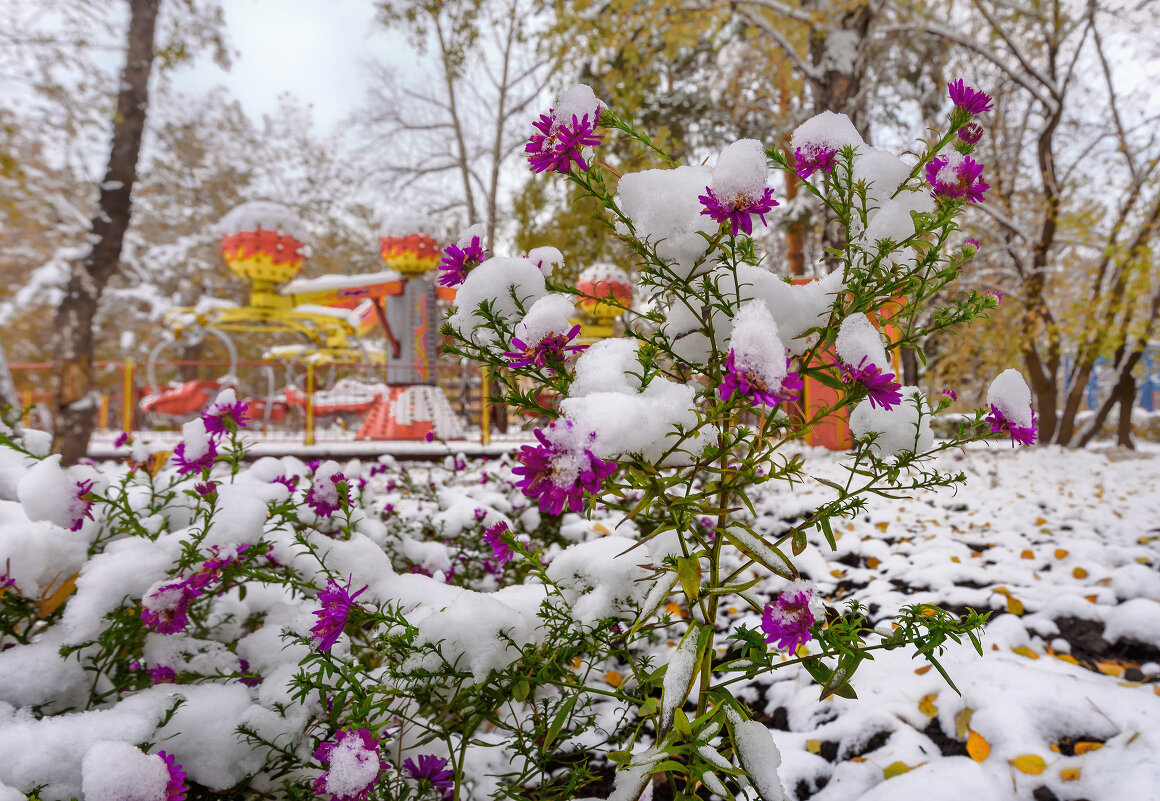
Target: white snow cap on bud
(477, 230)
(577, 101)
(756, 345)
(607, 366)
(858, 339)
(495, 280)
(116, 771)
(829, 130)
(546, 258)
(900, 429)
(665, 210)
(548, 315)
(741, 171)
(1010, 394)
(196, 439)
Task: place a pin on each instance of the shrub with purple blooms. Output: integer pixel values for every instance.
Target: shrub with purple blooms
(585, 616)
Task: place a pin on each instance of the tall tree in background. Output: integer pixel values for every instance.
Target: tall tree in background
(73, 336)
(454, 138)
(1073, 160)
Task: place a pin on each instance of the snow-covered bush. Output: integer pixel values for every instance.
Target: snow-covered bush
(190, 623)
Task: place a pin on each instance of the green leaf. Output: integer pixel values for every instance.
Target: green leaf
(521, 690)
(558, 721)
(824, 525)
(799, 541)
(681, 723)
(689, 572)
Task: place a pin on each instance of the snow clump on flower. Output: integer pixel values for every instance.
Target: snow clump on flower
(543, 335)
(354, 763)
(465, 255)
(197, 449)
(116, 771)
(1011, 411)
(565, 132)
(816, 142)
(902, 428)
(665, 209)
(57, 495)
(336, 602)
(859, 346)
(756, 365)
(561, 467)
(737, 190)
(495, 282)
(225, 409)
(787, 620)
(325, 495)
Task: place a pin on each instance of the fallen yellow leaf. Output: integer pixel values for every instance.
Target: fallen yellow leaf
(1027, 554)
(1039, 521)
(1069, 774)
(977, 746)
(49, 603)
(963, 722)
(926, 668)
(1092, 598)
(872, 562)
(613, 678)
(814, 746)
(956, 560)
(1023, 650)
(1079, 573)
(926, 705)
(1110, 668)
(1030, 763)
(881, 526)
(1060, 553)
(601, 530)
(1067, 658)
(895, 769)
(1084, 747)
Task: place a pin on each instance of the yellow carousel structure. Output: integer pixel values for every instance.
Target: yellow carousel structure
(264, 243)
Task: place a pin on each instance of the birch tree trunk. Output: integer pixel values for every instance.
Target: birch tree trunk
(76, 402)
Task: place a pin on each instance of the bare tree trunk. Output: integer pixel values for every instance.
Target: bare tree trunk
(1126, 394)
(73, 338)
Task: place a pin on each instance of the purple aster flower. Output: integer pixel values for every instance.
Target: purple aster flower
(787, 621)
(5, 582)
(206, 488)
(814, 156)
(122, 439)
(970, 248)
(289, 482)
(997, 295)
(950, 393)
(221, 418)
(881, 388)
(355, 765)
(211, 569)
(327, 494)
(1022, 435)
(336, 605)
(175, 789)
(561, 468)
(552, 349)
(954, 176)
(432, 769)
(429, 436)
(746, 382)
(244, 669)
(971, 133)
(165, 609)
(162, 674)
(388, 510)
(969, 100)
(81, 506)
(494, 538)
(197, 464)
(558, 144)
(737, 210)
(458, 262)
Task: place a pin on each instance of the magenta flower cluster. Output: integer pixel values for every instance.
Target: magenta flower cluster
(82, 507)
(559, 143)
(740, 381)
(968, 99)
(219, 420)
(787, 621)
(432, 770)
(175, 788)
(337, 603)
(1020, 435)
(551, 350)
(814, 156)
(357, 750)
(166, 609)
(881, 388)
(963, 179)
(493, 537)
(561, 468)
(326, 500)
(457, 262)
(737, 211)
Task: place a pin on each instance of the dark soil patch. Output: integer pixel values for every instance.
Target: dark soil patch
(829, 751)
(948, 746)
(804, 789)
(865, 746)
(1043, 793)
(1088, 646)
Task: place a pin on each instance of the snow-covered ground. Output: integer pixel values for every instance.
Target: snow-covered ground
(1063, 704)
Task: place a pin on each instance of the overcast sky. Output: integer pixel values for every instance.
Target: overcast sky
(310, 48)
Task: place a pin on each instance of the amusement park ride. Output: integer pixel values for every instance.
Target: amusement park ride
(263, 242)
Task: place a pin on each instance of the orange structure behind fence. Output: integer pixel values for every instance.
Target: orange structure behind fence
(290, 401)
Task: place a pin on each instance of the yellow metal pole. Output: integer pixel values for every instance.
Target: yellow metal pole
(310, 403)
(484, 408)
(103, 413)
(127, 396)
(26, 402)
